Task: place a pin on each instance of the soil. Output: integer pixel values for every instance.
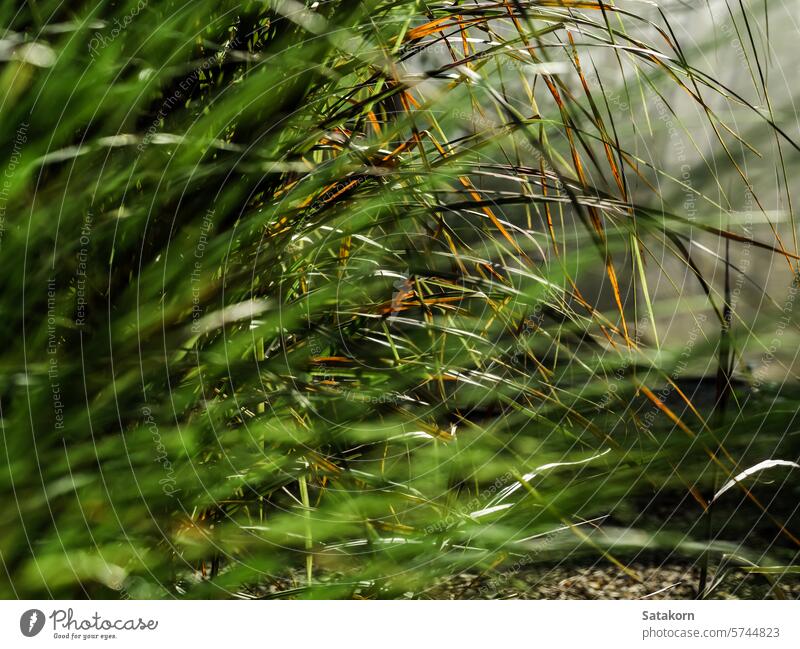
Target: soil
(668, 581)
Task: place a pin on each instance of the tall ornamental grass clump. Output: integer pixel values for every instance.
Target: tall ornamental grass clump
(338, 299)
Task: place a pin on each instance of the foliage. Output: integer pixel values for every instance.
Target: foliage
(337, 299)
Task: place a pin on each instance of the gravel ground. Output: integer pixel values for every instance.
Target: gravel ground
(669, 581)
(596, 581)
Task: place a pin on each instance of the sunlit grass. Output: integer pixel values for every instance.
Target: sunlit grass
(340, 300)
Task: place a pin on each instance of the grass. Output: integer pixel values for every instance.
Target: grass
(338, 300)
